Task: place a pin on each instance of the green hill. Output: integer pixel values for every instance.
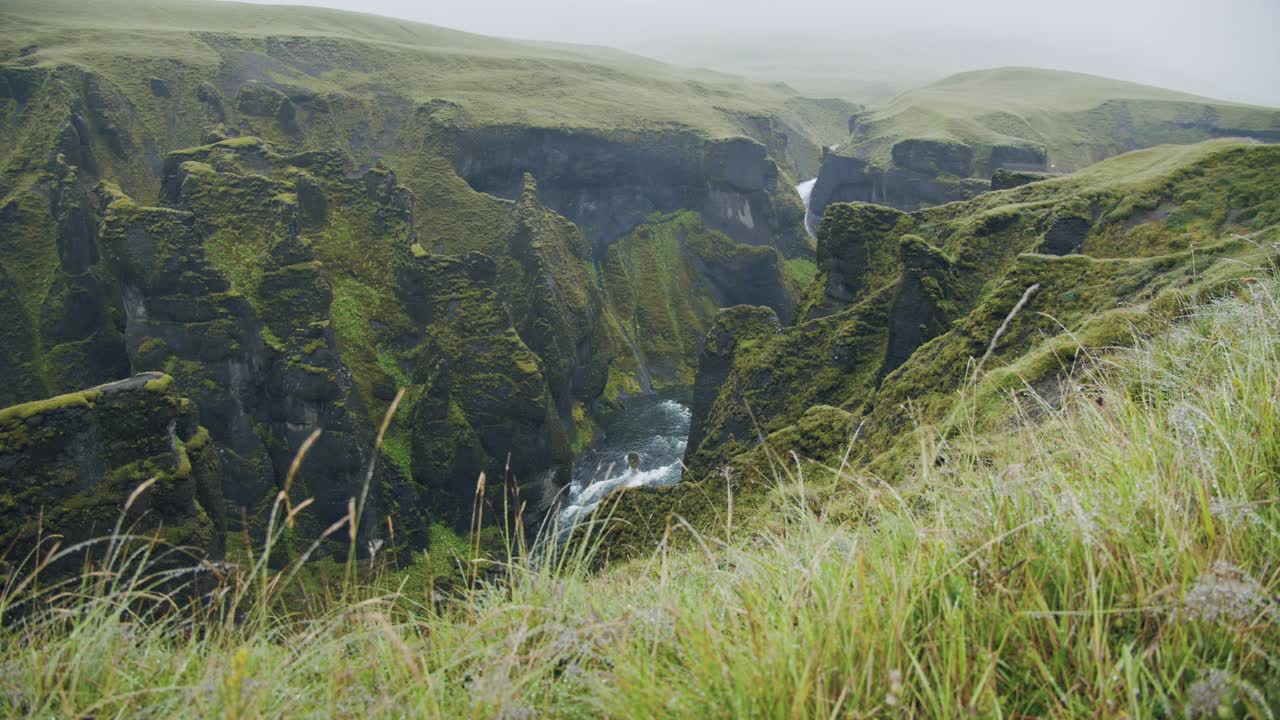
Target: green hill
(944, 141)
(497, 81)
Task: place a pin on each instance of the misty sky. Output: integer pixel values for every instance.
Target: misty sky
(1228, 49)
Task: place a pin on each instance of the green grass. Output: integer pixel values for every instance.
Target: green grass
(1111, 553)
(1079, 119)
(803, 270)
(497, 81)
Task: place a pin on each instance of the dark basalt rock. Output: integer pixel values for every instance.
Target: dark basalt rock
(109, 114)
(313, 204)
(208, 94)
(181, 317)
(258, 100)
(1066, 235)
(1019, 158)
(732, 326)
(158, 87)
(609, 184)
(75, 144)
(927, 181)
(71, 462)
(486, 406)
(857, 249)
(933, 156)
(921, 303)
(1007, 179)
(558, 309)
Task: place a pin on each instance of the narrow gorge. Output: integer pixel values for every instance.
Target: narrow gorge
(623, 270)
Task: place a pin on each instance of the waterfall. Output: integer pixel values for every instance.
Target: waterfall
(806, 191)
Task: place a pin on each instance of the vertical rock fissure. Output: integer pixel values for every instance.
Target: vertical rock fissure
(646, 383)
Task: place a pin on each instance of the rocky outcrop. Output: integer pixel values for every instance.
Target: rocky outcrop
(1067, 234)
(486, 406)
(608, 184)
(922, 301)
(1018, 158)
(69, 463)
(927, 176)
(667, 280)
(556, 306)
(260, 100)
(65, 328)
(857, 252)
(249, 335)
(933, 157)
(328, 305)
(840, 179)
(1003, 179)
(732, 326)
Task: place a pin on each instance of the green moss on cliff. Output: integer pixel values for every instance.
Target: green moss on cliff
(667, 280)
(898, 357)
(71, 461)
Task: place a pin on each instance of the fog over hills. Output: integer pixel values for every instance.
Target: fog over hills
(867, 51)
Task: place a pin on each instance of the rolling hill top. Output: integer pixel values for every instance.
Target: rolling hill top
(1076, 119)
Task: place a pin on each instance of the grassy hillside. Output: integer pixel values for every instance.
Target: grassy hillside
(1114, 556)
(1076, 119)
(498, 81)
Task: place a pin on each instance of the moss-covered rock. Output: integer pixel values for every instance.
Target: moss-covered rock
(1003, 179)
(941, 317)
(667, 280)
(486, 407)
(857, 253)
(69, 463)
(933, 156)
(556, 305)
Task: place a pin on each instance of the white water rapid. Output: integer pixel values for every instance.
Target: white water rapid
(655, 428)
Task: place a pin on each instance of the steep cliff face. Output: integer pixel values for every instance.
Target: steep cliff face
(920, 173)
(228, 289)
(667, 279)
(286, 294)
(68, 464)
(732, 327)
(856, 252)
(908, 305)
(558, 308)
(609, 183)
(485, 405)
